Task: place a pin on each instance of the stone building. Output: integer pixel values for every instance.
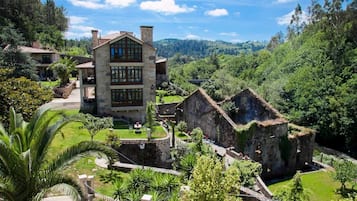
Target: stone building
(122, 77)
(254, 128)
(43, 59)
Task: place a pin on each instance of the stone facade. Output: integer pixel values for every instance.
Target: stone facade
(103, 64)
(254, 128)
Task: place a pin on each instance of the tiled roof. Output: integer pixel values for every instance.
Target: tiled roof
(86, 65)
(35, 50)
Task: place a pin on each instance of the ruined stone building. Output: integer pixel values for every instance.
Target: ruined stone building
(123, 75)
(254, 128)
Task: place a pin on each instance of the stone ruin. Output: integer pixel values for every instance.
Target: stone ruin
(254, 128)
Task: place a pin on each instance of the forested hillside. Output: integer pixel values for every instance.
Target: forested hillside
(35, 20)
(311, 77)
(203, 48)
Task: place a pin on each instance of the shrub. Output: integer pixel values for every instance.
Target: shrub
(24, 95)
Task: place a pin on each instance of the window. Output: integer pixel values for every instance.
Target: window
(127, 97)
(126, 75)
(125, 50)
(46, 59)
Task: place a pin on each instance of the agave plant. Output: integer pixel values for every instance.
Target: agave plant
(25, 172)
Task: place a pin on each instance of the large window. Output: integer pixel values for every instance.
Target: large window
(126, 75)
(127, 97)
(125, 50)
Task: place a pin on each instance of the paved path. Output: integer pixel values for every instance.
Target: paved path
(58, 198)
(104, 164)
(72, 102)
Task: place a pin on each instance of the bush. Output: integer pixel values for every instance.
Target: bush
(24, 95)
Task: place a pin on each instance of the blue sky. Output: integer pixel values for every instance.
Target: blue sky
(228, 20)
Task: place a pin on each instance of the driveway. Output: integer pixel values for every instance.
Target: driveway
(72, 102)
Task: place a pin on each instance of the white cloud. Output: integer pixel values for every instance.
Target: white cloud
(97, 4)
(76, 19)
(231, 34)
(77, 28)
(167, 7)
(70, 34)
(217, 12)
(284, 1)
(285, 19)
(119, 3)
(192, 37)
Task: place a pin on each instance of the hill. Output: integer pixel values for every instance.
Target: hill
(203, 48)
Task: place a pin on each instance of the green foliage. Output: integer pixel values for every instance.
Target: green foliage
(63, 69)
(150, 115)
(182, 126)
(93, 124)
(140, 182)
(346, 171)
(10, 55)
(244, 133)
(32, 17)
(26, 172)
(229, 107)
(295, 191)
(26, 95)
(211, 183)
(197, 137)
(248, 171)
(178, 49)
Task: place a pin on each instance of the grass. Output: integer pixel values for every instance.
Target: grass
(50, 84)
(168, 98)
(320, 185)
(71, 134)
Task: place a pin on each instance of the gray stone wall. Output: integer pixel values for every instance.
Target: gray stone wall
(102, 69)
(155, 153)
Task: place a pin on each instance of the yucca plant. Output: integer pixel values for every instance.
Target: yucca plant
(25, 171)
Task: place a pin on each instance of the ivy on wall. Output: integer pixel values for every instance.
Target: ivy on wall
(244, 133)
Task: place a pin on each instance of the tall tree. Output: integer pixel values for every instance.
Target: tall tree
(150, 115)
(211, 183)
(25, 171)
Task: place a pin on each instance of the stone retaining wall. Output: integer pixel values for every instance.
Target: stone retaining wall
(154, 152)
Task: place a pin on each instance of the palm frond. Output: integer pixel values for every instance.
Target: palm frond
(6, 189)
(51, 181)
(82, 148)
(43, 140)
(11, 162)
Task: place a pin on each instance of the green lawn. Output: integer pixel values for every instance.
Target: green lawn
(320, 185)
(50, 84)
(71, 134)
(168, 98)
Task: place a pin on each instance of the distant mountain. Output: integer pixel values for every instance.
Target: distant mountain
(203, 48)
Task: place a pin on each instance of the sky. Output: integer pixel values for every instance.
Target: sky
(227, 20)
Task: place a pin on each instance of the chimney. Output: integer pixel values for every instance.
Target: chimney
(94, 38)
(146, 34)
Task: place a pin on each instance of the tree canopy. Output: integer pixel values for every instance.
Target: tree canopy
(37, 20)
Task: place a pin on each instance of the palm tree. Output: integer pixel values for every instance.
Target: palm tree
(25, 172)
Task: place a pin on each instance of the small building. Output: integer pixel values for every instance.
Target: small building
(43, 58)
(123, 75)
(254, 128)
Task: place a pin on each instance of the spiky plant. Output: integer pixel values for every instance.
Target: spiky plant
(25, 171)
